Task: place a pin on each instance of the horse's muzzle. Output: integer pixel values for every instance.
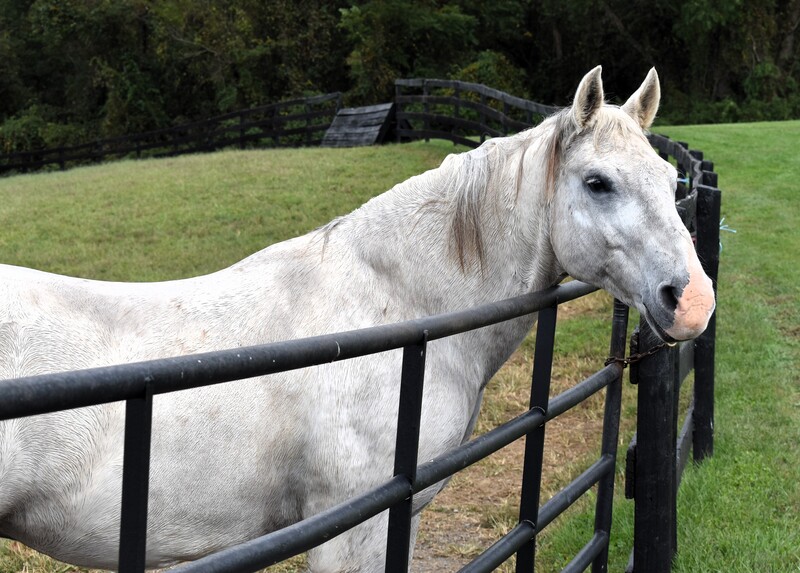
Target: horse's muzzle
(682, 312)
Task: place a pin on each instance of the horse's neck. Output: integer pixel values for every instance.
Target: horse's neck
(407, 233)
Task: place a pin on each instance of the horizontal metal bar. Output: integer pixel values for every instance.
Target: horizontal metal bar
(302, 536)
(474, 450)
(52, 392)
(467, 454)
(523, 532)
(578, 393)
(587, 554)
(501, 549)
(427, 475)
(557, 504)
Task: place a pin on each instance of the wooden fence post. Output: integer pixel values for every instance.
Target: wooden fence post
(426, 109)
(654, 531)
(398, 91)
(708, 216)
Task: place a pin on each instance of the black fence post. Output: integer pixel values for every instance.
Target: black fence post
(307, 125)
(426, 108)
(135, 483)
(613, 406)
(482, 117)
(405, 457)
(534, 441)
(655, 472)
(708, 216)
(398, 92)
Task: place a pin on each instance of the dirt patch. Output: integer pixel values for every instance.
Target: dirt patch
(481, 503)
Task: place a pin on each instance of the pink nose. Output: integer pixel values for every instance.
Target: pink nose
(694, 307)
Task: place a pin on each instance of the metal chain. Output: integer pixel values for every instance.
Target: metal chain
(634, 358)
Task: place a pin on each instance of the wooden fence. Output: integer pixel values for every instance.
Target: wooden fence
(461, 112)
(299, 122)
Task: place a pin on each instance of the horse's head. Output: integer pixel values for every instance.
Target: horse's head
(613, 219)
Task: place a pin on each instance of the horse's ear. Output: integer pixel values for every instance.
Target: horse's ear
(643, 104)
(588, 98)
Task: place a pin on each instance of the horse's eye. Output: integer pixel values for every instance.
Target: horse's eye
(597, 185)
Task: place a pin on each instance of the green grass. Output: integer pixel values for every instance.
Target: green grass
(743, 508)
(738, 512)
(170, 218)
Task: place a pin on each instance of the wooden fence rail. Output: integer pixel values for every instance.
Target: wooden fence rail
(299, 122)
(460, 111)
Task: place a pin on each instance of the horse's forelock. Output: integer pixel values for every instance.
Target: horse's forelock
(614, 129)
(610, 129)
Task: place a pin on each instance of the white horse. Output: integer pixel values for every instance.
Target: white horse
(582, 194)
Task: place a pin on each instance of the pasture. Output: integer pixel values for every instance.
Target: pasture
(161, 219)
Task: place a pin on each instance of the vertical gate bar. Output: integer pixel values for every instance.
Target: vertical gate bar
(708, 216)
(534, 441)
(654, 485)
(405, 457)
(605, 487)
(135, 482)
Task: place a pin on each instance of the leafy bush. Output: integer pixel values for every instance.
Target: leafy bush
(34, 129)
(493, 69)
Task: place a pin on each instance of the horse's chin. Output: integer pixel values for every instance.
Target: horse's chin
(655, 327)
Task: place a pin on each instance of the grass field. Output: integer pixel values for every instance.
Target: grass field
(739, 512)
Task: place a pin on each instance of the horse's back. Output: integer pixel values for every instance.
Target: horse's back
(230, 461)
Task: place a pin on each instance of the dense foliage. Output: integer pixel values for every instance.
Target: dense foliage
(71, 70)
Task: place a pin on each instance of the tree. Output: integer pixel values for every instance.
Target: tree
(398, 39)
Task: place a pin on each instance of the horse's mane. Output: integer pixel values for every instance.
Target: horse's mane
(488, 173)
(467, 183)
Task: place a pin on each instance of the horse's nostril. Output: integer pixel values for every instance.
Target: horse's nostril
(668, 295)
